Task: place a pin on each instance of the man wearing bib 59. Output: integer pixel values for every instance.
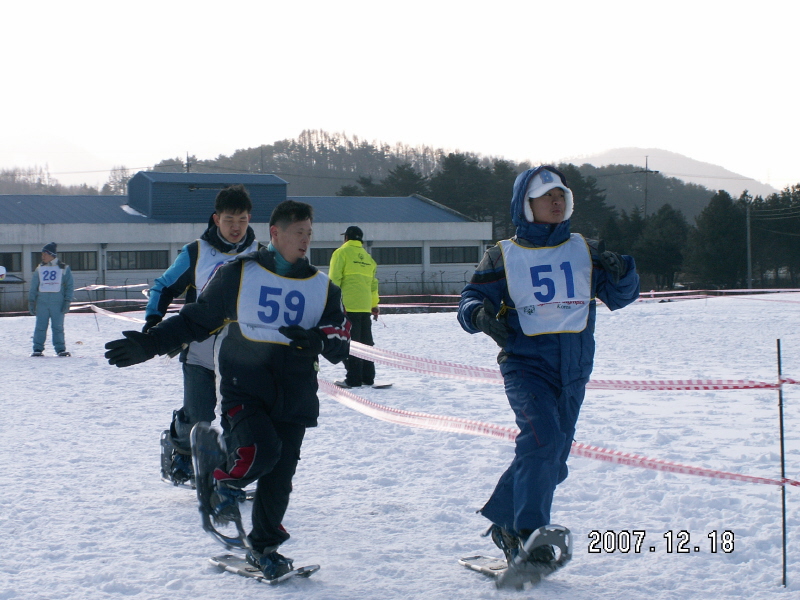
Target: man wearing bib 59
(49, 299)
(228, 235)
(535, 296)
(274, 314)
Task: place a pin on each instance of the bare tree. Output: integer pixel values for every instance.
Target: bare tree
(117, 184)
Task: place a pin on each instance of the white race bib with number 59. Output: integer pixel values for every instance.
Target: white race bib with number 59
(268, 301)
(551, 287)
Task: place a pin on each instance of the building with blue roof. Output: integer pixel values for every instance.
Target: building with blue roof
(421, 247)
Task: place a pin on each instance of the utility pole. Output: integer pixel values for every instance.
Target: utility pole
(749, 251)
(646, 172)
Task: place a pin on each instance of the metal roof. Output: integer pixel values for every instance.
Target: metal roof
(371, 209)
(43, 210)
(36, 209)
(211, 178)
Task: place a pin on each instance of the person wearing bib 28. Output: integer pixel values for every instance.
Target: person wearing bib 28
(49, 299)
(534, 294)
(273, 314)
(228, 235)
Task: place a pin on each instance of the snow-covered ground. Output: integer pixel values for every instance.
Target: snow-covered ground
(386, 509)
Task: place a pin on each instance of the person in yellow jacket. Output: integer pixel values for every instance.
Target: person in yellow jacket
(354, 270)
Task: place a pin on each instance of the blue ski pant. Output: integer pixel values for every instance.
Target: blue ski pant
(48, 311)
(546, 417)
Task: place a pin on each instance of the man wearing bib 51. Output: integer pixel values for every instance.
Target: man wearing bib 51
(274, 314)
(535, 295)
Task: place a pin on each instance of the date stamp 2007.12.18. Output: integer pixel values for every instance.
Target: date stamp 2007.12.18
(678, 542)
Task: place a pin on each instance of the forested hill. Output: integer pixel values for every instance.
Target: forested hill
(627, 187)
(321, 163)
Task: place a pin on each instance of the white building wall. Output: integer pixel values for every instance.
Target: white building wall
(101, 238)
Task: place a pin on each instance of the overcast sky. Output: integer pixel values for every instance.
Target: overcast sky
(89, 85)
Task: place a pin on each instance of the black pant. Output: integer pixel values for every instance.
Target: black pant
(360, 371)
(267, 451)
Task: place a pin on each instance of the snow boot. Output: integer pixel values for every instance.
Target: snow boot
(272, 564)
(176, 464)
(537, 557)
(224, 503)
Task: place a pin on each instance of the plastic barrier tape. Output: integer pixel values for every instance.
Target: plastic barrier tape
(484, 375)
(458, 425)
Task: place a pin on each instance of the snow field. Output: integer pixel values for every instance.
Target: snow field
(387, 510)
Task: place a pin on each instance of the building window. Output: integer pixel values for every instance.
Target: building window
(397, 256)
(321, 257)
(12, 261)
(454, 254)
(137, 260)
(77, 261)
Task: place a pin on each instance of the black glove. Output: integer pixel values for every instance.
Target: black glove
(151, 322)
(614, 265)
(133, 349)
(306, 342)
(484, 318)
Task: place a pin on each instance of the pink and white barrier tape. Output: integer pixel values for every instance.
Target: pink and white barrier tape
(113, 315)
(483, 375)
(416, 419)
(425, 365)
(633, 460)
(96, 286)
(458, 425)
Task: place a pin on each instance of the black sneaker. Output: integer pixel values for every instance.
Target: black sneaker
(64, 353)
(271, 564)
(343, 384)
(37, 353)
(507, 542)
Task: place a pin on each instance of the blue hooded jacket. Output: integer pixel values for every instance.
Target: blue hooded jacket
(562, 359)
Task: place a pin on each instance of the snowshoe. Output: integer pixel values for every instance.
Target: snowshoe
(218, 504)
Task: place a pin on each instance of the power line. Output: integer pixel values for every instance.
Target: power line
(774, 211)
(597, 175)
(214, 167)
(778, 232)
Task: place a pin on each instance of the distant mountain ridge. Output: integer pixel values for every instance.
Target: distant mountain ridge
(672, 164)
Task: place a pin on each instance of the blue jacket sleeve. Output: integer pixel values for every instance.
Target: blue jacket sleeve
(618, 295)
(488, 282)
(173, 283)
(33, 292)
(69, 285)
(67, 290)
